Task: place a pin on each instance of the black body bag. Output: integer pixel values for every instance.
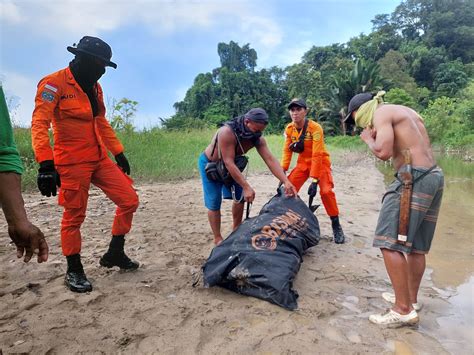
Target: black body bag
(298, 146)
(262, 257)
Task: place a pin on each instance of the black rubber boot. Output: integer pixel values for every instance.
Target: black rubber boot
(76, 279)
(115, 256)
(337, 230)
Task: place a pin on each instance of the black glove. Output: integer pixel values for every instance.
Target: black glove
(122, 162)
(313, 189)
(48, 178)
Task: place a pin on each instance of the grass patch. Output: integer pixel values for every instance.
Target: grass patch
(159, 155)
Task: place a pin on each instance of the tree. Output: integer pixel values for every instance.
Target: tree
(305, 82)
(412, 17)
(236, 58)
(423, 61)
(449, 78)
(451, 25)
(317, 57)
(394, 67)
(232, 89)
(374, 45)
(364, 77)
(399, 96)
(199, 97)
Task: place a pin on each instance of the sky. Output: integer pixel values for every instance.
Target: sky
(161, 46)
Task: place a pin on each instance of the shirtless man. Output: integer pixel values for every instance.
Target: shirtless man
(389, 131)
(234, 139)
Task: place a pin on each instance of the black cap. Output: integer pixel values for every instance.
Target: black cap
(258, 115)
(95, 47)
(297, 102)
(356, 102)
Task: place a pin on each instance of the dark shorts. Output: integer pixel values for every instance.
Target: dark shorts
(424, 209)
(215, 191)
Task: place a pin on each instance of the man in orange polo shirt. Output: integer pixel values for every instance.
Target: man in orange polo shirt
(71, 100)
(306, 137)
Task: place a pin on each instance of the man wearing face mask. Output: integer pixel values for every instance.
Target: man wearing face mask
(232, 141)
(71, 100)
(306, 138)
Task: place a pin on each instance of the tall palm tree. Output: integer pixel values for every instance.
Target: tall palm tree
(364, 77)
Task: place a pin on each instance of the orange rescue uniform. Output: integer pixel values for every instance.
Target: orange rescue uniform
(80, 154)
(313, 162)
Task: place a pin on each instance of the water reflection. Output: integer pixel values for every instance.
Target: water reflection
(457, 328)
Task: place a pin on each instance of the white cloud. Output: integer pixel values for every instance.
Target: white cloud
(20, 87)
(264, 31)
(293, 54)
(71, 17)
(10, 13)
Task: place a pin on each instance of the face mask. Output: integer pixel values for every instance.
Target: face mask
(87, 71)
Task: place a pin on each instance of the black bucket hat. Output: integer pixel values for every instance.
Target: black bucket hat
(95, 47)
(297, 102)
(356, 102)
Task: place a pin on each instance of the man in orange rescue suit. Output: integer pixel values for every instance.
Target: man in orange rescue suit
(71, 100)
(313, 161)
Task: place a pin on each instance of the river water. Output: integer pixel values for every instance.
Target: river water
(450, 261)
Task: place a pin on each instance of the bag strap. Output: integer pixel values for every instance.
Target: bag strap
(218, 149)
(418, 178)
(238, 141)
(215, 143)
(303, 131)
(305, 127)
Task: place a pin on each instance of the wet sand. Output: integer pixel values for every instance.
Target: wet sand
(156, 310)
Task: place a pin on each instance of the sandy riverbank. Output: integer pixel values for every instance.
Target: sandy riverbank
(155, 309)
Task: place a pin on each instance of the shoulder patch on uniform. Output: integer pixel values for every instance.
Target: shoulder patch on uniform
(47, 96)
(51, 87)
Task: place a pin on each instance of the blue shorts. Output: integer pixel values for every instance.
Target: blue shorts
(215, 191)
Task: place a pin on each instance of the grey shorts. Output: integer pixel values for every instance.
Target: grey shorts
(424, 209)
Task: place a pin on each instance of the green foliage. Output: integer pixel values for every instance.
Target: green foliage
(304, 81)
(451, 26)
(399, 96)
(121, 114)
(449, 78)
(450, 121)
(236, 58)
(162, 155)
(394, 67)
(438, 118)
(364, 77)
(374, 46)
(232, 90)
(423, 61)
(183, 123)
(23, 144)
(423, 50)
(318, 57)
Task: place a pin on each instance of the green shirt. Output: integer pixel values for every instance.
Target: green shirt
(9, 158)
